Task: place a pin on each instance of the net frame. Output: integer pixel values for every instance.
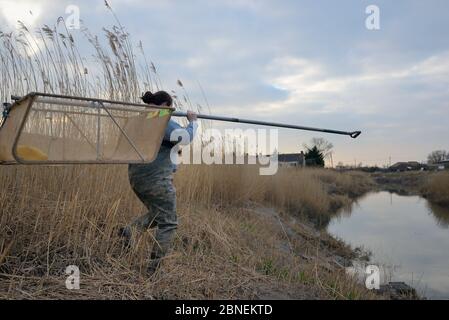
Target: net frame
(10, 133)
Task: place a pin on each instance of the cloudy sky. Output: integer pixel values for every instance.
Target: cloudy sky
(309, 62)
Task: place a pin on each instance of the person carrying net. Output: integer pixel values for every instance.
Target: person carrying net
(153, 185)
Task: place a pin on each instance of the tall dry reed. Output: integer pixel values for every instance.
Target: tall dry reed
(228, 245)
(234, 241)
(436, 188)
(50, 60)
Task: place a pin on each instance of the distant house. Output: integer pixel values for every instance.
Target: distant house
(440, 165)
(292, 159)
(406, 166)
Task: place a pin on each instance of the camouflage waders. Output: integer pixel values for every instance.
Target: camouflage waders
(153, 184)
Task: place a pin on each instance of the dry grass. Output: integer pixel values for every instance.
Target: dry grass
(48, 59)
(313, 193)
(230, 243)
(436, 188)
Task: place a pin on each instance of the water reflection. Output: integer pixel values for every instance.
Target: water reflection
(405, 232)
(440, 213)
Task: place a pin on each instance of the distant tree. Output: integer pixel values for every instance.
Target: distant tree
(324, 146)
(437, 156)
(314, 157)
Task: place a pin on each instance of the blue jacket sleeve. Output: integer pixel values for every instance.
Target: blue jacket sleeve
(178, 131)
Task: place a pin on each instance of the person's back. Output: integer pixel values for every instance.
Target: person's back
(153, 185)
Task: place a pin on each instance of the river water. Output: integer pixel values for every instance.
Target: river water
(407, 236)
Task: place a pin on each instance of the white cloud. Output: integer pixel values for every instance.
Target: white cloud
(436, 65)
(310, 83)
(26, 11)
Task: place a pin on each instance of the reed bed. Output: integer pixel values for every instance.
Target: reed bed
(436, 188)
(112, 66)
(240, 236)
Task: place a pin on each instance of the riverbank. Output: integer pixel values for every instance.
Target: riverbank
(433, 186)
(241, 235)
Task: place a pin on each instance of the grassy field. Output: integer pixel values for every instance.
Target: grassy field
(241, 235)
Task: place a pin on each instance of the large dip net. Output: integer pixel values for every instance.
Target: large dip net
(54, 129)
